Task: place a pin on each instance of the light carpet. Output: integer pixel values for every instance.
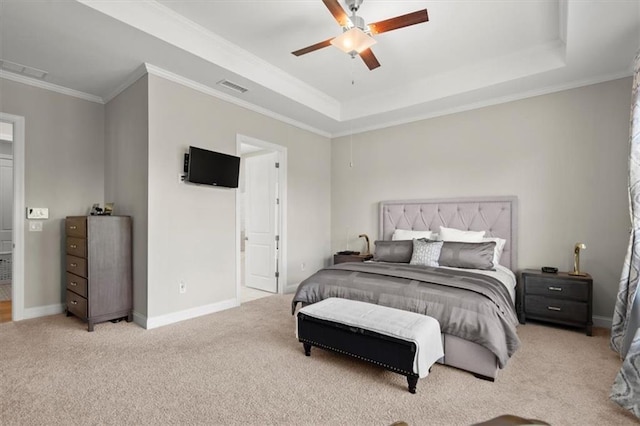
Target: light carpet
(244, 366)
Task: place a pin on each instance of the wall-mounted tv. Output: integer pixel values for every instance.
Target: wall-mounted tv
(211, 168)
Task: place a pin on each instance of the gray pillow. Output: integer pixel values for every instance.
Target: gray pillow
(426, 253)
(467, 255)
(393, 251)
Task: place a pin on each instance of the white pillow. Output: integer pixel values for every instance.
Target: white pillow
(497, 253)
(405, 234)
(452, 234)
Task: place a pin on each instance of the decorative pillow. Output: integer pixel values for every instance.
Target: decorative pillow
(497, 254)
(405, 234)
(426, 253)
(467, 255)
(452, 234)
(393, 251)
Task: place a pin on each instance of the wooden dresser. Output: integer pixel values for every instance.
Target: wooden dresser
(559, 298)
(98, 268)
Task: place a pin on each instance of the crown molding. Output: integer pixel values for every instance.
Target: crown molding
(486, 103)
(168, 75)
(169, 26)
(141, 71)
(50, 86)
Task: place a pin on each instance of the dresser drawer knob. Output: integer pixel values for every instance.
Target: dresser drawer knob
(553, 308)
(73, 265)
(73, 283)
(73, 227)
(75, 246)
(74, 302)
(555, 288)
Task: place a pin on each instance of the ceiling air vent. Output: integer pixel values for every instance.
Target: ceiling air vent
(233, 86)
(22, 69)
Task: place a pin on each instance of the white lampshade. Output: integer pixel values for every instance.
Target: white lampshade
(354, 40)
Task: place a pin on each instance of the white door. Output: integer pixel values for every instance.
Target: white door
(6, 204)
(261, 248)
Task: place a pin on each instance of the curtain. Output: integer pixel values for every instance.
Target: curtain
(625, 328)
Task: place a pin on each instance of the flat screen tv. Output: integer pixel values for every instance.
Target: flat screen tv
(211, 168)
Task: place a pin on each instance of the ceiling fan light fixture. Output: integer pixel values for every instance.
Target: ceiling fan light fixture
(353, 40)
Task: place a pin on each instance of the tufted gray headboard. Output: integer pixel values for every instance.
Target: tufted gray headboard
(496, 215)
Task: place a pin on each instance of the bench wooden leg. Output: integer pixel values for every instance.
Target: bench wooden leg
(307, 349)
(413, 382)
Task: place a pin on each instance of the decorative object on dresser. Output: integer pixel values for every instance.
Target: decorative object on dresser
(561, 298)
(98, 268)
(350, 256)
(576, 259)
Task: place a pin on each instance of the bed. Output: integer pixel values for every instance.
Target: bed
(476, 309)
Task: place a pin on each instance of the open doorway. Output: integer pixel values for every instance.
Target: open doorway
(261, 205)
(6, 220)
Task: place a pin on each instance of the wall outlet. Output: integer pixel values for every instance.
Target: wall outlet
(183, 287)
(303, 266)
(35, 226)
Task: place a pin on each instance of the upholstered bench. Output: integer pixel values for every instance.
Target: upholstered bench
(404, 342)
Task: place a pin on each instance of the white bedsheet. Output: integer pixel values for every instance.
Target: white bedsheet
(420, 329)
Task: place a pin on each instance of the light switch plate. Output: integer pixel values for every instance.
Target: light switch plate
(37, 213)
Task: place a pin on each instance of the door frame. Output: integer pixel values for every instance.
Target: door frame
(282, 217)
(17, 274)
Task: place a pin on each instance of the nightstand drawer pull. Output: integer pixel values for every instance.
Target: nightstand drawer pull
(555, 288)
(73, 265)
(75, 246)
(73, 283)
(74, 302)
(73, 227)
(553, 308)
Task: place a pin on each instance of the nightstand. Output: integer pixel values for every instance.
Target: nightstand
(558, 298)
(342, 258)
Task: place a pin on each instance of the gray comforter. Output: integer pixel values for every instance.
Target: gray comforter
(471, 306)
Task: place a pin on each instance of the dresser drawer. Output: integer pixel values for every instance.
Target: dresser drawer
(76, 304)
(76, 227)
(77, 247)
(77, 265)
(556, 309)
(577, 290)
(77, 284)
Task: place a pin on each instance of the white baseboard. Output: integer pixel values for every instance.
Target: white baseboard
(604, 322)
(140, 319)
(42, 311)
(291, 288)
(159, 321)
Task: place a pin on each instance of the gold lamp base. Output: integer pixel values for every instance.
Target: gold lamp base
(578, 274)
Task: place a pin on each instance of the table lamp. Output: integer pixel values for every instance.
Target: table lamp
(576, 259)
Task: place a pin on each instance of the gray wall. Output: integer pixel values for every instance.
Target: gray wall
(565, 155)
(191, 228)
(64, 144)
(126, 173)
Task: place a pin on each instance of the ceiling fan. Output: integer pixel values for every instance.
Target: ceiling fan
(356, 36)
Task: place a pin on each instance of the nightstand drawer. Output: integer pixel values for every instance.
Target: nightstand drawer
(76, 304)
(556, 309)
(77, 284)
(557, 288)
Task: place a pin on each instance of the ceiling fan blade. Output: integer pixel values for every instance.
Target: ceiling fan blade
(337, 11)
(399, 22)
(313, 47)
(370, 59)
